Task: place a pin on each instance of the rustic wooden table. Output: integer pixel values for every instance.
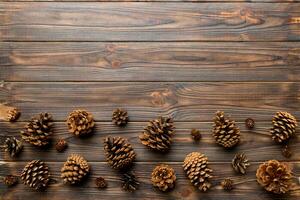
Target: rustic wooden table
(168, 57)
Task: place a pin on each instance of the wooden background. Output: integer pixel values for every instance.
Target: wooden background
(183, 58)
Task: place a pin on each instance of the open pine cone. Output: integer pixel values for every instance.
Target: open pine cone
(284, 127)
(120, 117)
(13, 114)
(10, 180)
(227, 184)
(38, 130)
(158, 134)
(129, 182)
(163, 177)
(195, 167)
(36, 175)
(274, 176)
(225, 132)
(240, 163)
(119, 153)
(13, 146)
(80, 123)
(75, 169)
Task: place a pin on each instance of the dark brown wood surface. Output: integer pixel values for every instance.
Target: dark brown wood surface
(182, 58)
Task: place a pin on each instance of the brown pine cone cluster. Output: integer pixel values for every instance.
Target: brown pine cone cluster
(196, 135)
(119, 153)
(129, 182)
(13, 114)
(101, 183)
(10, 180)
(13, 146)
(274, 176)
(120, 117)
(75, 169)
(80, 123)
(157, 135)
(240, 163)
(284, 127)
(36, 175)
(227, 184)
(38, 130)
(225, 132)
(196, 168)
(61, 145)
(163, 177)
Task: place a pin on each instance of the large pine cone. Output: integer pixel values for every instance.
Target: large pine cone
(119, 153)
(120, 117)
(225, 132)
(38, 130)
(163, 177)
(13, 146)
(80, 122)
(36, 175)
(75, 169)
(195, 166)
(157, 135)
(284, 126)
(274, 176)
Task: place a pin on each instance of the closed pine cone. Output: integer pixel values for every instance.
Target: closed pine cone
(284, 127)
(13, 114)
(61, 145)
(38, 130)
(225, 132)
(101, 183)
(120, 117)
(119, 153)
(75, 169)
(10, 180)
(163, 177)
(240, 163)
(157, 135)
(274, 176)
(80, 123)
(13, 146)
(36, 175)
(227, 184)
(195, 166)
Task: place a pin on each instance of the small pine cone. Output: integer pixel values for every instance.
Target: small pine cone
(274, 176)
(38, 130)
(13, 114)
(61, 145)
(119, 153)
(120, 117)
(249, 122)
(101, 183)
(284, 127)
(163, 177)
(13, 146)
(129, 182)
(286, 151)
(157, 135)
(80, 123)
(196, 135)
(195, 167)
(75, 169)
(10, 180)
(36, 175)
(225, 132)
(227, 184)
(240, 163)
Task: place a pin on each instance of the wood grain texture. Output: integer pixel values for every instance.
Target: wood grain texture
(194, 1)
(157, 61)
(140, 21)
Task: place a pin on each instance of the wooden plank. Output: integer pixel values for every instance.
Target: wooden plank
(195, 1)
(246, 186)
(141, 21)
(185, 101)
(253, 143)
(184, 61)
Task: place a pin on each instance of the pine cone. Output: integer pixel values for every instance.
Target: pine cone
(284, 127)
(240, 163)
(13, 146)
(13, 114)
(38, 130)
(119, 153)
(36, 175)
(80, 122)
(129, 182)
(101, 183)
(225, 132)
(286, 151)
(163, 177)
(75, 169)
(195, 166)
(120, 117)
(227, 184)
(61, 145)
(196, 135)
(158, 134)
(249, 122)
(10, 180)
(274, 177)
